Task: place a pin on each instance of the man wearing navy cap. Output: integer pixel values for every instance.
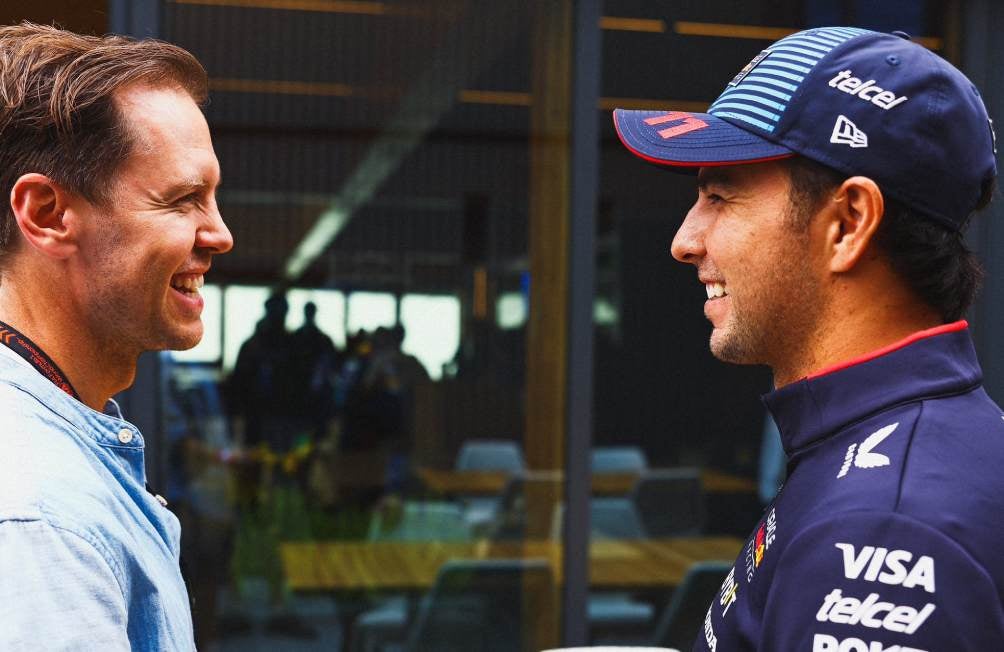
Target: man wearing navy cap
(836, 175)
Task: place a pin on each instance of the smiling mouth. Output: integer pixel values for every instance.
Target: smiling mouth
(189, 286)
(716, 290)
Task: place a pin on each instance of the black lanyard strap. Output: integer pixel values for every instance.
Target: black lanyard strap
(24, 347)
(21, 345)
(17, 342)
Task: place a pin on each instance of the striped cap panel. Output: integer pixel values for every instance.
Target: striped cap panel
(760, 93)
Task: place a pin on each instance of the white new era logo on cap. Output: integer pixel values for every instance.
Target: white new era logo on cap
(846, 132)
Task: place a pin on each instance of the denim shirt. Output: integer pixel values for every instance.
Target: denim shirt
(88, 558)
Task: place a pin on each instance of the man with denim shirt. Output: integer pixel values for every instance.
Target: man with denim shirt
(836, 174)
(111, 224)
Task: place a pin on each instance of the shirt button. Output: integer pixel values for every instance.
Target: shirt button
(125, 435)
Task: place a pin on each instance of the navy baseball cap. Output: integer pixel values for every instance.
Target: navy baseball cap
(857, 101)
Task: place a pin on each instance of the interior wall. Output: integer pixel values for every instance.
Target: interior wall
(82, 16)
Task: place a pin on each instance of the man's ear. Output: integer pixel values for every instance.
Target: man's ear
(40, 209)
(856, 213)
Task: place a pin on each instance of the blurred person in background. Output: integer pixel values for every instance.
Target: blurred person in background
(836, 175)
(261, 392)
(315, 363)
(266, 394)
(110, 226)
(390, 381)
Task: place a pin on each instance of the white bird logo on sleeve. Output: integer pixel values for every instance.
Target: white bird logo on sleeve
(865, 458)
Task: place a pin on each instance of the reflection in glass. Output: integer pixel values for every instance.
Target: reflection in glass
(510, 310)
(371, 310)
(432, 330)
(243, 306)
(330, 311)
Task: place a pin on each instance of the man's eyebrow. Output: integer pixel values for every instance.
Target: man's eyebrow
(190, 184)
(714, 177)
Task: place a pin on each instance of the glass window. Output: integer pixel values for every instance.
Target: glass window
(330, 311)
(432, 330)
(416, 157)
(604, 312)
(370, 310)
(510, 310)
(243, 306)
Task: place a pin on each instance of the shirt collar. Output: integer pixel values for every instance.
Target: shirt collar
(107, 428)
(938, 361)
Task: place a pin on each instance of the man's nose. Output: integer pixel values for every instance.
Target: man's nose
(214, 234)
(688, 244)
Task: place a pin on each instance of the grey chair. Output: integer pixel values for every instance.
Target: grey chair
(490, 455)
(487, 455)
(413, 521)
(481, 605)
(420, 521)
(618, 459)
(682, 620)
(671, 502)
(516, 518)
(616, 518)
(609, 518)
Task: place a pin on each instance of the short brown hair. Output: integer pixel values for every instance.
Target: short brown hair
(58, 116)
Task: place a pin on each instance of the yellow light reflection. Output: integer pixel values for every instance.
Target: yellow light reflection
(480, 299)
(495, 97)
(731, 31)
(281, 87)
(657, 26)
(644, 104)
(328, 6)
(468, 96)
(759, 32)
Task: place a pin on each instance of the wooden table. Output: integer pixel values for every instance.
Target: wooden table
(625, 563)
(451, 482)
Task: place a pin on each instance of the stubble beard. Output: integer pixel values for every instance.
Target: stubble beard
(774, 323)
(127, 316)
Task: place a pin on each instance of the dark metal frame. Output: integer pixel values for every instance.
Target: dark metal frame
(582, 263)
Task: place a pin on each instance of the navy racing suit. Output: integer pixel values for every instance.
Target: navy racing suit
(888, 534)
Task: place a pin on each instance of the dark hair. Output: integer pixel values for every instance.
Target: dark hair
(58, 115)
(931, 258)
